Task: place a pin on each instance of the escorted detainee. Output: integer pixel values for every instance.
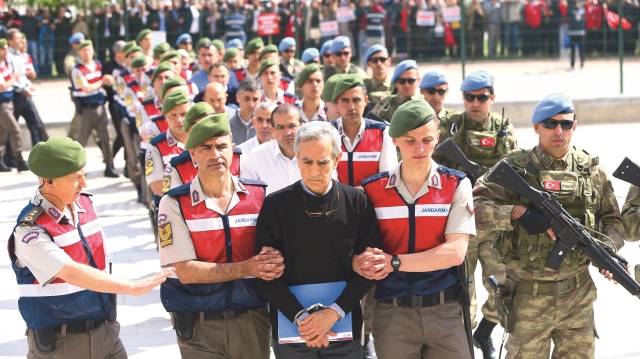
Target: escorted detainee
(550, 306)
(318, 224)
(58, 255)
(207, 231)
(425, 217)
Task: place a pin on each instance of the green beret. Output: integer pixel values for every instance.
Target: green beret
(267, 63)
(133, 49)
(171, 83)
(57, 157)
(174, 99)
(199, 110)
(160, 49)
(218, 44)
(142, 34)
(202, 42)
(3, 42)
(305, 73)
(231, 53)
(347, 82)
(253, 45)
(211, 126)
(329, 86)
(409, 116)
(127, 46)
(139, 61)
(170, 55)
(84, 43)
(267, 49)
(164, 66)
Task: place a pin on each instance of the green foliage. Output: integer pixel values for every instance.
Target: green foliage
(54, 4)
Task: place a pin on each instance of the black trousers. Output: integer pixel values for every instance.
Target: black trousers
(24, 106)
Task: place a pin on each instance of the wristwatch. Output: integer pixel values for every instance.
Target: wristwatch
(395, 263)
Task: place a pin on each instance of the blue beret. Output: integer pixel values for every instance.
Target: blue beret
(286, 43)
(182, 38)
(433, 78)
(326, 47)
(374, 50)
(76, 38)
(233, 43)
(402, 67)
(552, 105)
(477, 80)
(309, 54)
(340, 43)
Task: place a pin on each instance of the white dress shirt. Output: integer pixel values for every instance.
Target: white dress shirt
(267, 164)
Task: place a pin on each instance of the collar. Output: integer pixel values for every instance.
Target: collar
(52, 211)
(442, 114)
(306, 189)
(551, 162)
(386, 82)
(341, 128)
(473, 125)
(156, 102)
(172, 141)
(290, 62)
(278, 152)
(433, 179)
(197, 194)
(13, 51)
(319, 115)
(241, 120)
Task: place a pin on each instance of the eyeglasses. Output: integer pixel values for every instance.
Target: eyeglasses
(342, 53)
(402, 80)
(378, 59)
(433, 91)
(291, 126)
(553, 124)
(320, 214)
(289, 51)
(481, 98)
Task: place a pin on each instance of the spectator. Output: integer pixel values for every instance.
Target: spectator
(234, 23)
(46, 43)
(80, 24)
(511, 18)
(62, 31)
(534, 11)
(31, 30)
(577, 31)
(493, 12)
(475, 29)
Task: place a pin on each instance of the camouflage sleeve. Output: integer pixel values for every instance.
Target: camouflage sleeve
(608, 211)
(511, 136)
(631, 214)
(69, 63)
(378, 109)
(445, 132)
(493, 204)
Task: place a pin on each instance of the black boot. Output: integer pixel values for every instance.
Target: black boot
(3, 167)
(369, 351)
(21, 165)
(139, 190)
(110, 172)
(482, 339)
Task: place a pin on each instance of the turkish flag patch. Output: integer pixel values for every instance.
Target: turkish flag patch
(487, 142)
(551, 185)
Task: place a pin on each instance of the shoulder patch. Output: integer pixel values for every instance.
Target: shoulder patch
(180, 190)
(29, 237)
(165, 234)
(159, 138)
(252, 182)
(32, 215)
(375, 177)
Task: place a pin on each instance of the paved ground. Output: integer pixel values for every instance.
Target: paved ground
(146, 330)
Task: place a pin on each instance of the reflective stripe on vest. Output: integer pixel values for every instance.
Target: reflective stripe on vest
(354, 167)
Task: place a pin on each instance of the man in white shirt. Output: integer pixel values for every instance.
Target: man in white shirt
(262, 126)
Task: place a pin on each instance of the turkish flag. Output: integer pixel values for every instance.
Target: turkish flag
(551, 185)
(487, 142)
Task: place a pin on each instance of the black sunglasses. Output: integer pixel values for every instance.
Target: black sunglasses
(433, 91)
(481, 98)
(289, 51)
(402, 81)
(553, 124)
(378, 59)
(326, 56)
(342, 53)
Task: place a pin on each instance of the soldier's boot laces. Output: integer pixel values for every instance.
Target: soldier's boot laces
(482, 339)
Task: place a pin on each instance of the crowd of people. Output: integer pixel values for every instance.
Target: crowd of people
(425, 29)
(272, 179)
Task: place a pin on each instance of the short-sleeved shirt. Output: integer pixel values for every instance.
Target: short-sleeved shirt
(182, 249)
(157, 171)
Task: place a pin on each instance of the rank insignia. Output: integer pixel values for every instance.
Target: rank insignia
(148, 167)
(195, 196)
(165, 234)
(54, 213)
(392, 180)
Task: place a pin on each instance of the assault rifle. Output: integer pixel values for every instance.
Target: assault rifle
(569, 232)
(451, 151)
(628, 171)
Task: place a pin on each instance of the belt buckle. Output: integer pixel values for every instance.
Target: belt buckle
(228, 314)
(416, 301)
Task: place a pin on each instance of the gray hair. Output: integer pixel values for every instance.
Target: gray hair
(266, 105)
(249, 84)
(316, 130)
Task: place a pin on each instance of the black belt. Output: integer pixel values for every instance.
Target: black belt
(91, 106)
(227, 314)
(80, 327)
(448, 295)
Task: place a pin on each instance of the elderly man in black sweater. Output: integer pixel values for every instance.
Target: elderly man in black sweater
(318, 225)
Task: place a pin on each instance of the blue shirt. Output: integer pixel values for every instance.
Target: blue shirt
(201, 79)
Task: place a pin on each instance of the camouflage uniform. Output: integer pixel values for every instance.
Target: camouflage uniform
(377, 90)
(351, 69)
(445, 114)
(586, 193)
(385, 108)
(631, 214)
(484, 143)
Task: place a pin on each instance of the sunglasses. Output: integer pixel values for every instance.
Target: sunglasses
(378, 59)
(342, 53)
(289, 51)
(313, 62)
(326, 56)
(481, 98)
(433, 91)
(553, 124)
(402, 80)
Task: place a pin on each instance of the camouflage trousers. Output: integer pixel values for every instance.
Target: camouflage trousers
(566, 319)
(481, 248)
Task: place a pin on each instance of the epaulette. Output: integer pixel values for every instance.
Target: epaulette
(237, 150)
(519, 157)
(180, 190)
(181, 158)
(375, 177)
(291, 95)
(147, 101)
(30, 217)
(286, 79)
(252, 182)
(451, 172)
(368, 123)
(158, 118)
(159, 138)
